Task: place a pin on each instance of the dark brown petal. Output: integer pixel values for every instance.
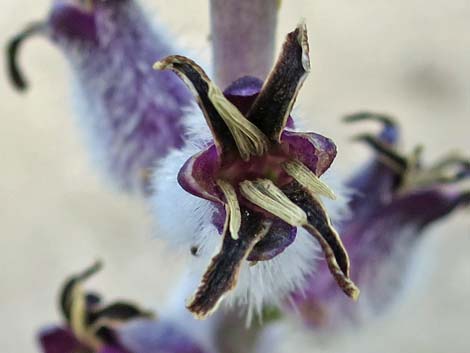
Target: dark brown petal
(198, 82)
(319, 225)
(222, 274)
(273, 105)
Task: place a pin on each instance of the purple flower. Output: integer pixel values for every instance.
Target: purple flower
(258, 181)
(395, 198)
(132, 117)
(94, 327)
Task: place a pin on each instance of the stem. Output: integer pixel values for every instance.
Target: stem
(243, 35)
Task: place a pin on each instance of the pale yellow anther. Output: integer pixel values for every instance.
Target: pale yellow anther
(232, 207)
(264, 194)
(249, 139)
(77, 313)
(307, 179)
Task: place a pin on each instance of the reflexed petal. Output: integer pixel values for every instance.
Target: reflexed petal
(222, 274)
(274, 103)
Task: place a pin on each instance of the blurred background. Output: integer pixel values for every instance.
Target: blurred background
(408, 58)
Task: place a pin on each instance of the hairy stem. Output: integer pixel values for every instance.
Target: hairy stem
(243, 36)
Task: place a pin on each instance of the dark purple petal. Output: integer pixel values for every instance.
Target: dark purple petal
(315, 151)
(243, 92)
(197, 176)
(147, 336)
(246, 86)
(278, 238)
(60, 340)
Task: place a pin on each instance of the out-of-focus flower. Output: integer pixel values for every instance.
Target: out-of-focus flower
(257, 182)
(132, 117)
(395, 198)
(120, 327)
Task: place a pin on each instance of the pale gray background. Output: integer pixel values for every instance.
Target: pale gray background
(407, 57)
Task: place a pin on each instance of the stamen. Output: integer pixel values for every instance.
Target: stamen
(249, 139)
(78, 314)
(232, 207)
(264, 194)
(307, 179)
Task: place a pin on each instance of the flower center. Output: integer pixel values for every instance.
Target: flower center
(267, 166)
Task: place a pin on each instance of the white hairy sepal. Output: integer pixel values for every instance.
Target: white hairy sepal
(185, 221)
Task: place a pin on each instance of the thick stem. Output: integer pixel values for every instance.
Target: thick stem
(243, 36)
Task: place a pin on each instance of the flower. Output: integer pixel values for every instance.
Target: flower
(396, 198)
(132, 118)
(120, 327)
(257, 181)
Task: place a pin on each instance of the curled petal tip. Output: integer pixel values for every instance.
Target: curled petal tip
(369, 116)
(15, 73)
